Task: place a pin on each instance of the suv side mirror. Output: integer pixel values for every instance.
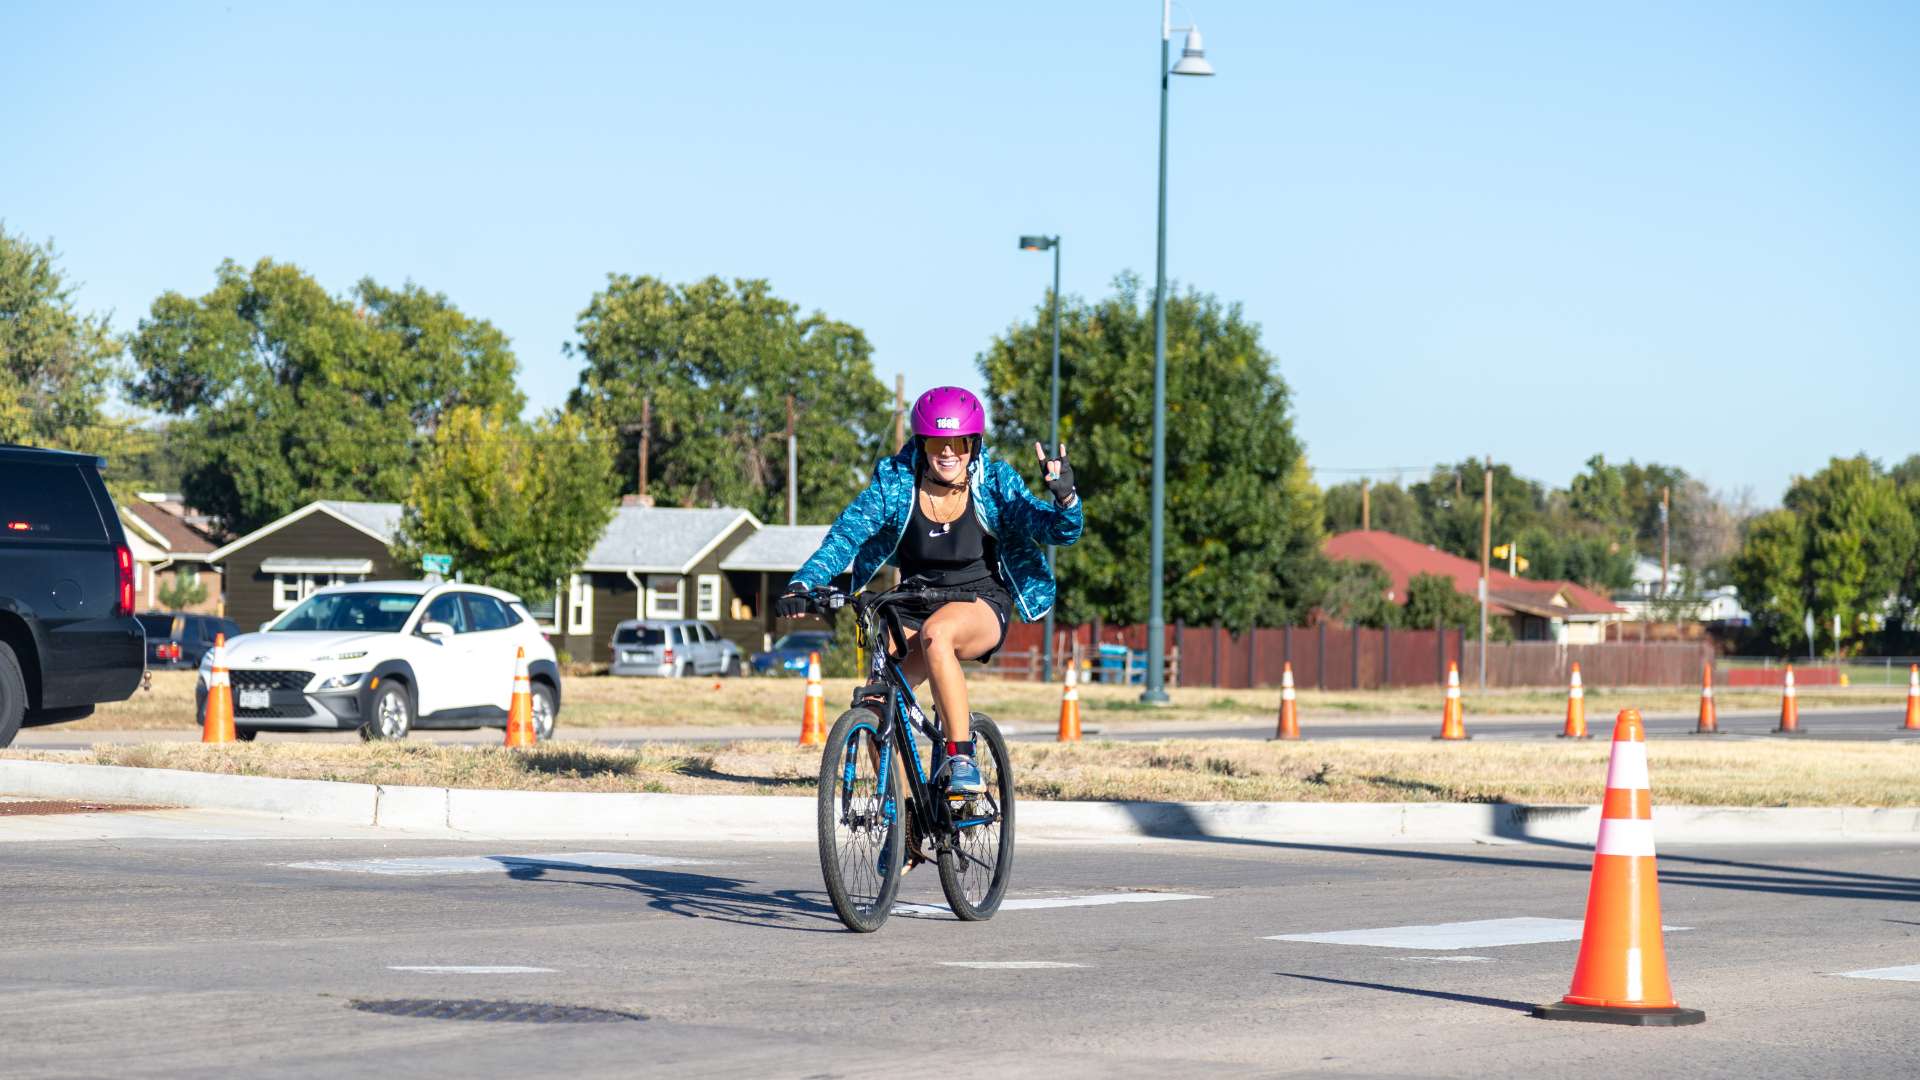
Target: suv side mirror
(435, 630)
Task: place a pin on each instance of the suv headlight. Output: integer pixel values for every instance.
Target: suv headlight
(341, 682)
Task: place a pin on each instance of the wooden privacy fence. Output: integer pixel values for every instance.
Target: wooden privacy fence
(1356, 658)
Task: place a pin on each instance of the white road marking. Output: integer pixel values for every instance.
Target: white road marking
(1909, 973)
(1448, 959)
(1007, 965)
(473, 969)
(500, 864)
(1035, 903)
(1478, 934)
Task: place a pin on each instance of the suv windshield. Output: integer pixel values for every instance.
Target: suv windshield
(157, 626)
(364, 611)
(639, 635)
(810, 639)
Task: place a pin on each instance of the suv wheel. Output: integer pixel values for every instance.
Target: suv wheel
(391, 716)
(13, 695)
(733, 667)
(543, 712)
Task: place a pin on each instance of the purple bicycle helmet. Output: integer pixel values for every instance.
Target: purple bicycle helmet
(948, 410)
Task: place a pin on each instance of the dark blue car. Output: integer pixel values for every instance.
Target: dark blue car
(789, 655)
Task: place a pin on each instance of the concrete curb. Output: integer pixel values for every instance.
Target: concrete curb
(472, 813)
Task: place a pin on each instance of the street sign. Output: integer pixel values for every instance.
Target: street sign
(437, 564)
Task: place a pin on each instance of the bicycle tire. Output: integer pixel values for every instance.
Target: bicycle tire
(851, 853)
(976, 871)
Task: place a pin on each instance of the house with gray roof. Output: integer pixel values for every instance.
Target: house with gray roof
(657, 562)
(761, 567)
(323, 543)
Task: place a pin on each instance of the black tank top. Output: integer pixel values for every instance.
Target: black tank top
(947, 555)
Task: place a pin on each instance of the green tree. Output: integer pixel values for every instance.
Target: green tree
(1841, 545)
(1244, 521)
(1644, 485)
(1450, 502)
(283, 394)
(717, 360)
(517, 505)
(1391, 509)
(185, 590)
(56, 362)
(1356, 595)
(1599, 495)
(1433, 601)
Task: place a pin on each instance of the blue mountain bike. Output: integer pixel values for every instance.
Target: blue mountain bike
(873, 824)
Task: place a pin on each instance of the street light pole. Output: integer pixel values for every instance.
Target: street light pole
(1192, 62)
(1042, 243)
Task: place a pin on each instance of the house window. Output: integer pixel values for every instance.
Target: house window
(707, 592)
(290, 589)
(579, 604)
(663, 597)
(546, 612)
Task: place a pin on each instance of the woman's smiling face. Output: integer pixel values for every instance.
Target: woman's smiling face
(947, 456)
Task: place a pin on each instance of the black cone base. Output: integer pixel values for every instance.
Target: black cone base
(1715, 731)
(1597, 1014)
(1443, 738)
(1564, 735)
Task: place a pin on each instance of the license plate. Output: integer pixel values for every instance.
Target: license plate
(256, 699)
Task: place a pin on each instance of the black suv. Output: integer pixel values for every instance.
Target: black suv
(68, 638)
(178, 639)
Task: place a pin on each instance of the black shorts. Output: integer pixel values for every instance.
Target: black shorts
(913, 614)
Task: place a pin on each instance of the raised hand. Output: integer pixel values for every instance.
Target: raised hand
(1057, 473)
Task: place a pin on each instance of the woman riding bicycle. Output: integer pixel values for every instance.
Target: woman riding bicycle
(951, 517)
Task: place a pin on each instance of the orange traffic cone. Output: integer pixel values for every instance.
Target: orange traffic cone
(1709, 720)
(1453, 721)
(1070, 708)
(813, 726)
(1913, 698)
(1621, 976)
(1789, 708)
(1576, 708)
(520, 731)
(217, 725)
(1289, 728)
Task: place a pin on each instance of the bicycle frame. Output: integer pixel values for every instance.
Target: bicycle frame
(900, 714)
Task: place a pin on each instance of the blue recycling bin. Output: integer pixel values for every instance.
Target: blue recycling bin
(1116, 665)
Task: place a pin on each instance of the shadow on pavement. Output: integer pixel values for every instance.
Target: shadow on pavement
(697, 896)
(1469, 999)
(1171, 821)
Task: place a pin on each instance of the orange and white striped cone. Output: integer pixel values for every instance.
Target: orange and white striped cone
(1913, 698)
(1789, 707)
(217, 725)
(1621, 976)
(1289, 726)
(1709, 719)
(520, 731)
(1576, 727)
(1070, 708)
(1453, 720)
(813, 719)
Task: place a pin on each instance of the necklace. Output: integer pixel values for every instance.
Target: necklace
(933, 510)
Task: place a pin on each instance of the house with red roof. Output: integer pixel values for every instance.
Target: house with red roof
(169, 541)
(1559, 611)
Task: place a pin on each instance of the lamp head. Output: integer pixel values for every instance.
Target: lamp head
(1193, 58)
(1035, 243)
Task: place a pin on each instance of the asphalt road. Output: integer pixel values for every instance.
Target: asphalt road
(1882, 723)
(190, 957)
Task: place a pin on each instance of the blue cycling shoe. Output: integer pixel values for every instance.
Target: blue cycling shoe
(963, 776)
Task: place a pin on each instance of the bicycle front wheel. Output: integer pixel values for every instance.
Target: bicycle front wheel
(862, 838)
(976, 867)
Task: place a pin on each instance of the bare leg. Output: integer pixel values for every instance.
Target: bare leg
(955, 633)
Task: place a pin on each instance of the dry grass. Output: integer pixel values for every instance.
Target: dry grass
(606, 701)
(1732, 773)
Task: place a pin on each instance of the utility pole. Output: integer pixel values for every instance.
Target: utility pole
(1486, 556)
(644, 429)
(899, 412)
(1665, 495)
(793, 460)
(1366, 506)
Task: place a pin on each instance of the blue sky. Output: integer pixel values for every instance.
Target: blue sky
(1685, 233)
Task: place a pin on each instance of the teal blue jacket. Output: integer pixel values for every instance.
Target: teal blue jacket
(867, 533)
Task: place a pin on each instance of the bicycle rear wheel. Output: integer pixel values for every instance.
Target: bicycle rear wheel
(975, 870)
(862, 839)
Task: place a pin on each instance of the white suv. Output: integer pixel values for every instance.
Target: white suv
(385, 657)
